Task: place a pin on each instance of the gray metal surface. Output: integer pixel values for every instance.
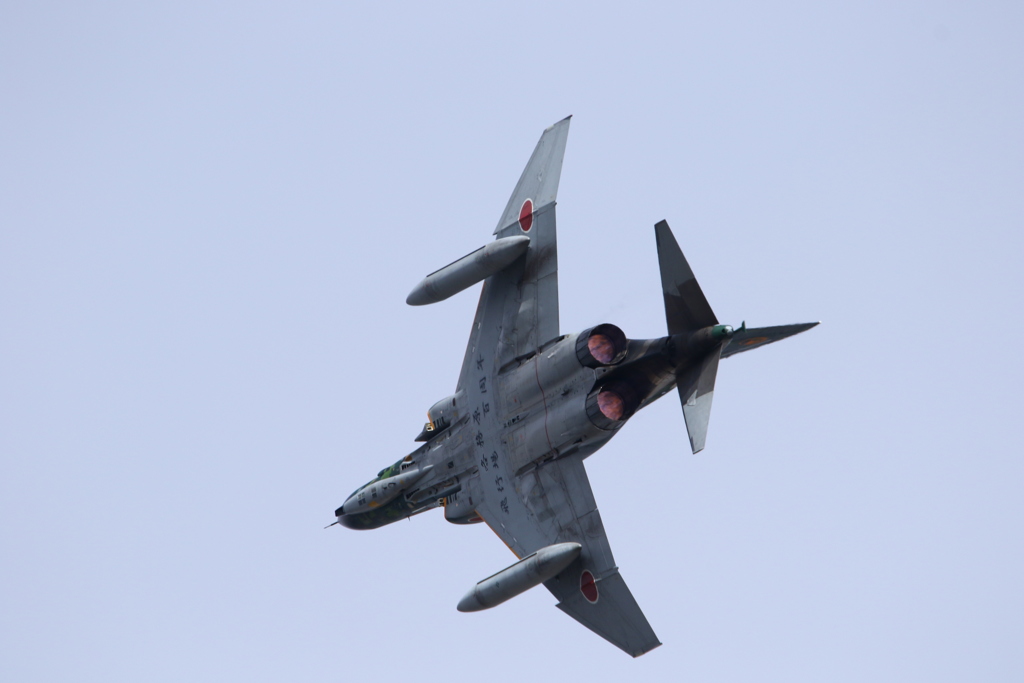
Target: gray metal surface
(532, 570)
(615, 616)
(539, 181)
(468, 270)
(507, 448)
(686, 307)
(696, 390)
(756, 337)
(382, 492)
(518, 309)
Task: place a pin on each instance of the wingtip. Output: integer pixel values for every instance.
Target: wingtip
(640, 653)
(558, 123)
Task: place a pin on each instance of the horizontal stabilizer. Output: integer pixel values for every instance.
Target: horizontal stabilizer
(756, 337)
(696, 386)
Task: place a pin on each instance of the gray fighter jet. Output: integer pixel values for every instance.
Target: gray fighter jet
(531, 404)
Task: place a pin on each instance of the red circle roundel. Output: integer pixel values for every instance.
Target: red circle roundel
(526, 215)
(588, 586)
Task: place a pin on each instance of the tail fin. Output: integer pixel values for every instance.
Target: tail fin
(686, 308)
(696, 386)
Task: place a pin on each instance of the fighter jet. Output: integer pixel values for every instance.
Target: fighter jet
(531, 404)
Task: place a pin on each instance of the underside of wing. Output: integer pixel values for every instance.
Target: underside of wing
(555, 504)
(518, 309)
(608, 609)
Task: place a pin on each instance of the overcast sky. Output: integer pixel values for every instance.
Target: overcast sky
(211, 215)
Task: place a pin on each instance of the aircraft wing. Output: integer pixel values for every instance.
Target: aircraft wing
(517, 313)
(518, 309)
(554, 504)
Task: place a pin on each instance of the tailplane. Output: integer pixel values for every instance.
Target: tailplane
(696, 386)
(692, 323)
(745, 339)
(687, 311)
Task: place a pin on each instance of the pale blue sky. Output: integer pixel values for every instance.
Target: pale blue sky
(211, 215)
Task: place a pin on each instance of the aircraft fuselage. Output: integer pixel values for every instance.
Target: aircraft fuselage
(571, 396)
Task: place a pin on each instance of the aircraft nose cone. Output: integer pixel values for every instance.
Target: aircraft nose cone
(350, 522)
(345, 520)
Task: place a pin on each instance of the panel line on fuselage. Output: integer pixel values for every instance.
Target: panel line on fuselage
(543, 398)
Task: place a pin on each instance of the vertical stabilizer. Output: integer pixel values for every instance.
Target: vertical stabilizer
(686, 308)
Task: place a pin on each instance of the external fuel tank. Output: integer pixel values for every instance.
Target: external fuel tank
(528, 572)
(468, 270)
